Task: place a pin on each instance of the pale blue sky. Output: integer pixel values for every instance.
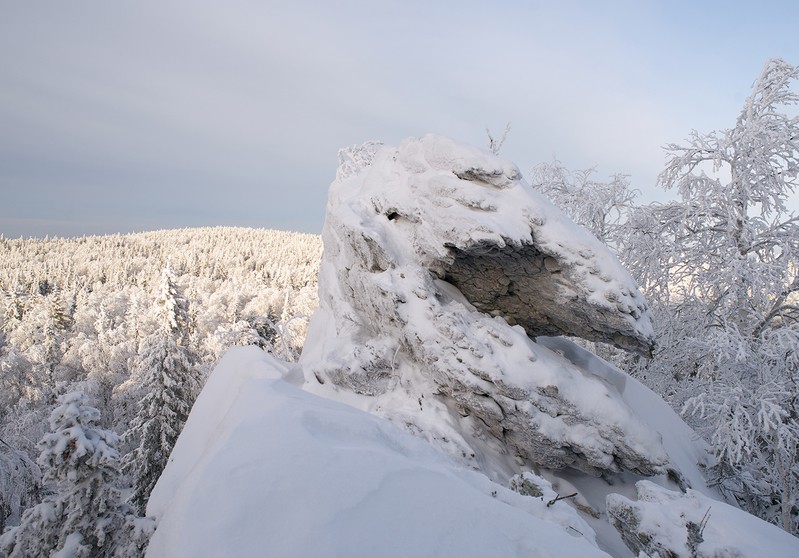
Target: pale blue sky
(127, 116)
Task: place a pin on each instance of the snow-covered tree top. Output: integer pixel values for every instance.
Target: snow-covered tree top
(76, 448)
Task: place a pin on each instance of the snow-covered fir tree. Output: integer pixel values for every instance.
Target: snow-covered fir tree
(85, 516)
(170, 383)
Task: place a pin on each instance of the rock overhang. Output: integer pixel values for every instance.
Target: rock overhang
(528, 287)
(433, 251)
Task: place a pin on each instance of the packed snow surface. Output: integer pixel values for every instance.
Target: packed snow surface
(263, 468)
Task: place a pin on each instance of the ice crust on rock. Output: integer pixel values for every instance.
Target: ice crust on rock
(441, 266)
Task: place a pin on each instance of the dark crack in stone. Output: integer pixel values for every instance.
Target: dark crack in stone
(531, 289)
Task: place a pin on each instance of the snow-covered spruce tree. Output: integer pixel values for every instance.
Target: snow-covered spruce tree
(722, 264)
(85, 517)
(168, 377)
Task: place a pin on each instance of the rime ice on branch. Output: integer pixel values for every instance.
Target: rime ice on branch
(442, 266)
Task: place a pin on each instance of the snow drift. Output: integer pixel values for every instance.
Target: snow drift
(264, 468)
(443, 277)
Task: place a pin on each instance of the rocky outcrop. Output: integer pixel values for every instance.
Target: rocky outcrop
(690, 525)
(441, 266)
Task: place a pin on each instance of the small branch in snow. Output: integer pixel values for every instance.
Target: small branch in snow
(559, 497)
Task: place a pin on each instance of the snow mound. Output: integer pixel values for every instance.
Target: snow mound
(265, 468)
(667, 523)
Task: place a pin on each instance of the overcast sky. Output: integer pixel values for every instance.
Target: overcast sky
(119, 116)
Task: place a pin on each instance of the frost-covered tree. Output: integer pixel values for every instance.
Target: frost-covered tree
(173, 307)
(15, 379)
(85, 517)
(353, 159)
(601, 207)
(495, 144)
(170, 384)
(20, 484)
(722, 263)
(13, 312)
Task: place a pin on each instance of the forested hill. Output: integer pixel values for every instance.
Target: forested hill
(255, 256)
(82, 314)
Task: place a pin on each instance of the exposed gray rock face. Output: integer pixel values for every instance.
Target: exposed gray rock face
(440, 266)
(528, 287)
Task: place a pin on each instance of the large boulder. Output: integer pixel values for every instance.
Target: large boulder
(441, 266)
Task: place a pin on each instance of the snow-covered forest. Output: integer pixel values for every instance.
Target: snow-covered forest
(113, 337)
(109, 315)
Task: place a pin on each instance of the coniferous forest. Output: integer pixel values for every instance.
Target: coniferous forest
(133, 322)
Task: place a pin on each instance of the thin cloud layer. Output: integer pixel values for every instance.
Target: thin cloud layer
(119, 117)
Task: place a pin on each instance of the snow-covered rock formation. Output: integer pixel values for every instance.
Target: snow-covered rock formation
(441, 267)
(443, 280)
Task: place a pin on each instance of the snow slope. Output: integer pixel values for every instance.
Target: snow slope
(265, 468)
